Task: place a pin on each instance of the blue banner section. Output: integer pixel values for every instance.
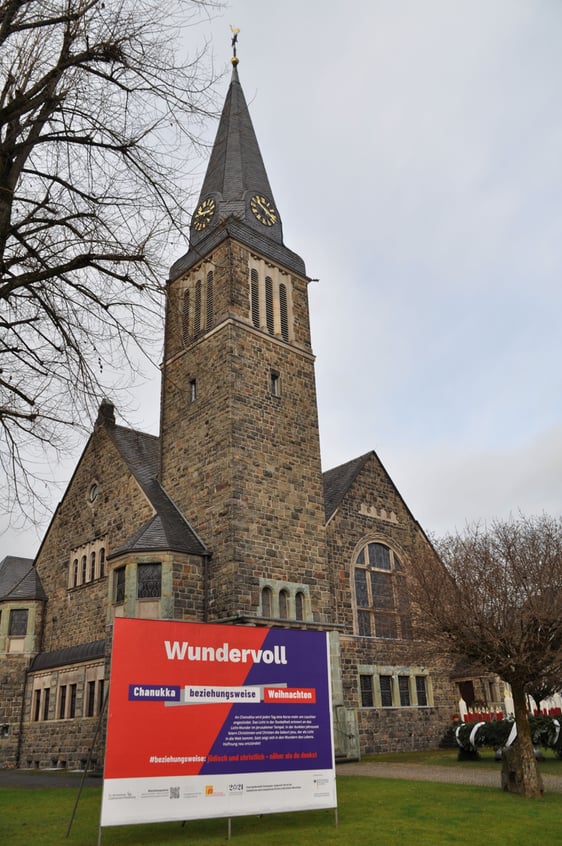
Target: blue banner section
(154, 693)
(290, 728)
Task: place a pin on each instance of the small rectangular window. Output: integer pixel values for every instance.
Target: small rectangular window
(91, 699)
(275, 383)
(149, 581)
(119, 584)
(18, 622)
(62, 702)
(386, 691)
(72, 707)
(100, 696)
(46, 701)
(366, 687)
(404, 690)
(36, 705)
(421, 690)
(192, 390)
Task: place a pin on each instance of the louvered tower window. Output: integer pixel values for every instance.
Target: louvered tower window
(269, 305)
(283, 313)
(197, 315)
(209, 316)
(185, 317)
(255, 297)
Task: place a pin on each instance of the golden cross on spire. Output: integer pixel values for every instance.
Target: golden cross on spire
(234, 30)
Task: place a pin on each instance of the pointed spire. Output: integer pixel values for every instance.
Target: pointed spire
(236, 181)
(236, 198)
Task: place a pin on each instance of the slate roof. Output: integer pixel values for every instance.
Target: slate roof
(19, 580)
(235, 173)
(338, 481)
(167, 528)
(69, 655)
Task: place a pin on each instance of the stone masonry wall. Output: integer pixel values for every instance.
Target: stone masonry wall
(373, 510)
(244, 465)
(119, 506)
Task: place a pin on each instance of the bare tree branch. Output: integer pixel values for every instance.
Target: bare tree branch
(95, 107)
(495, 599)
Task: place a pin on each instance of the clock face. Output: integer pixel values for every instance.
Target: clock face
(204, 213)
(264, 210)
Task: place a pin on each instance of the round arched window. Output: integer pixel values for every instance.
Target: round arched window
(381, 600)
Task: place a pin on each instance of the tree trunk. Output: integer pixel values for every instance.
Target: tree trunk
(531, 782)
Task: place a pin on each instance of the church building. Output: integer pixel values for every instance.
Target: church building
(226, 517)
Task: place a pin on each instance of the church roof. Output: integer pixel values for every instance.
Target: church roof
(92, 651)
(235, 179)
(338, 481)
(19, 580)
(167, 528)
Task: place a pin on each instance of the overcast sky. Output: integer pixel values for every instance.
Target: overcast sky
(414, 149)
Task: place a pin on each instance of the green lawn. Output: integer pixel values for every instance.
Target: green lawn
(371, 810)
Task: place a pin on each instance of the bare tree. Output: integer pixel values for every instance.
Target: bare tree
(498, 602)
(94, 104)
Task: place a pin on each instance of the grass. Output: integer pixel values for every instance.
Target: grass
(370, 809)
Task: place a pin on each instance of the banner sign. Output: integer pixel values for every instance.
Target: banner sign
(216, 721)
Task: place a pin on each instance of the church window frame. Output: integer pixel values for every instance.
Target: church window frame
(72, 700)
(286, 601)
(299, 605)
(44, 698)
(18, 622)
(379, 592)
(149, 580)
(366, 690)
(86, 564)
(275, 383)
(394, 687)
(266, 601)
(119, 574)
(63, 688)
(283, 604)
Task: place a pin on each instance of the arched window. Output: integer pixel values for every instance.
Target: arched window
(92, 566)
(283, 604)
(266, 602)
(74, 572)
(102, 562)
(380, 593)
(84, 569)
(299, 605)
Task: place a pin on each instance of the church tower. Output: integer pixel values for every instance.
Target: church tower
(239, 426)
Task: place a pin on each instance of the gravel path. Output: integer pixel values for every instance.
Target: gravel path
(412, 772)
(450, 775)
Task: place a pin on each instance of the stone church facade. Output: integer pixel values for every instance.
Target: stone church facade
(225, 517)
